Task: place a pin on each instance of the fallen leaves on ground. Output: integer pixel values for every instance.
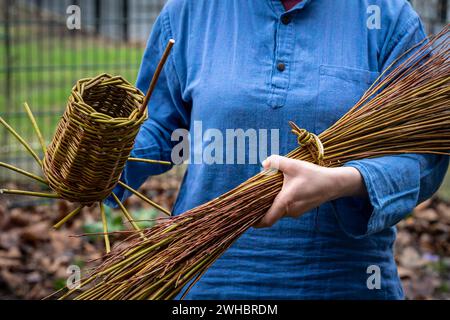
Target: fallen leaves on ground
(34, 257)
(423, 251)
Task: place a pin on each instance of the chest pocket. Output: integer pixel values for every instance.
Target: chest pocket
(339, 89)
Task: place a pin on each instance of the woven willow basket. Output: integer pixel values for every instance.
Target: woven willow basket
(94, 138)
(92, 143)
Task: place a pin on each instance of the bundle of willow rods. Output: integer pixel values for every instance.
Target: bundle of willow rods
(405, 111)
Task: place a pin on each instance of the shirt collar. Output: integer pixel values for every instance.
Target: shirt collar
(278, 7)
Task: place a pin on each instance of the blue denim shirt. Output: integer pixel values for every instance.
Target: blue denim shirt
(224, 72)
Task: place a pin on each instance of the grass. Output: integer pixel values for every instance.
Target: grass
(145, 218)
(43, 68)
(444, 190)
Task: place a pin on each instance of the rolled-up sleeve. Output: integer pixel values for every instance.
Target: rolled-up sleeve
(395, 184)
(167, 112)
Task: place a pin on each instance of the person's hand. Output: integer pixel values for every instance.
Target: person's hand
(306, 186)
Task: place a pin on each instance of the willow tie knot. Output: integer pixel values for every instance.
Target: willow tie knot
(309, 139)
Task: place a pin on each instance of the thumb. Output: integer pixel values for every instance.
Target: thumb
(277, 162)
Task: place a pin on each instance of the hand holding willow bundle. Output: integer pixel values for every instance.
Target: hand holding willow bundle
(405, 111)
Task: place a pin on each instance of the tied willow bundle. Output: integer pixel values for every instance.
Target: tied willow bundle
(405, 111)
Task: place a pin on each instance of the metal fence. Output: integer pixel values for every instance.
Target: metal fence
(42, 58)
(434, 13)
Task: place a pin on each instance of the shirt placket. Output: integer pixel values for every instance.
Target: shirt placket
(281, 66)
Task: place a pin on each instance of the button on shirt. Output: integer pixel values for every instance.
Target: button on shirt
(225, 71)
(286, 19)
(281, 67)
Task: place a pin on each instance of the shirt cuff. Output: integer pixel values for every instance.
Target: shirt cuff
(391, 196)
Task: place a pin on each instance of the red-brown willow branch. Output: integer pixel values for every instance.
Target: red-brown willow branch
(405, 111)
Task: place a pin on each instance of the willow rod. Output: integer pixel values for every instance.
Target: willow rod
(151, 161)
(144, 198)
(24, 172)
(21, 140)
(30, 193)
(35, 127)
(105, 228)
(67, 217)
(155, 77)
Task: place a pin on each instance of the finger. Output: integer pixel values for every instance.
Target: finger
(272, 162)
(276, 212)
(281, 163)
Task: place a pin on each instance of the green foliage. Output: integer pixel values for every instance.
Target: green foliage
(444, 190)
(59, 283)
(144, 219)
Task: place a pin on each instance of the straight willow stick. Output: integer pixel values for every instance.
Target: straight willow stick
(155, 77)
(126, 213)
(25, 173)
(105, 227)
(35, 126)
(150, 161)
(144, 198)
(30, 193)
(67, 217)
(21, 140)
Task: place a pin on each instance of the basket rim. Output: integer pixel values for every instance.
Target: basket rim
(76, 100)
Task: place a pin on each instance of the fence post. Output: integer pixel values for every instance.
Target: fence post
(125, 20)
(443, 11)
(97, 16)
(8, 72)
(8, 58)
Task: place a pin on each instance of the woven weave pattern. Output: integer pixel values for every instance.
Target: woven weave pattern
(94, 138)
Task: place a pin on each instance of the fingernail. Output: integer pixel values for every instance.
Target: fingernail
(264, 163)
